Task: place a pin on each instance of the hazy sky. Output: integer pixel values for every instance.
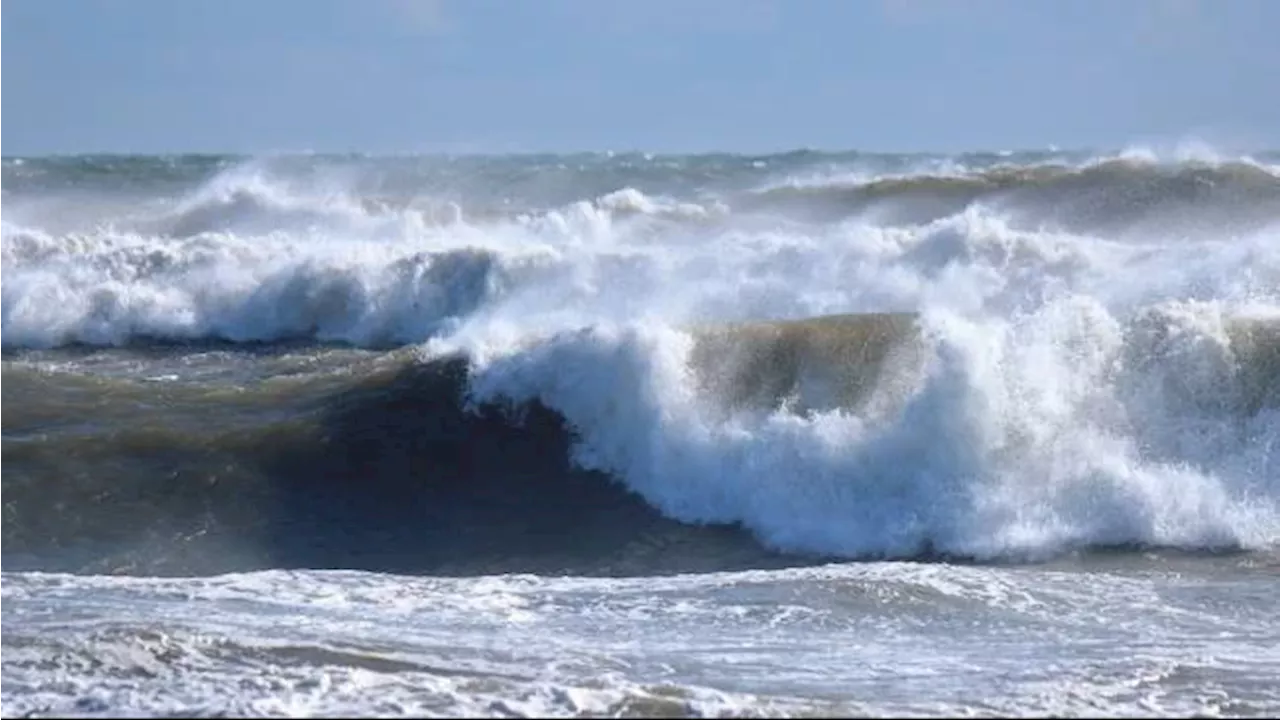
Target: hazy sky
(663, 75)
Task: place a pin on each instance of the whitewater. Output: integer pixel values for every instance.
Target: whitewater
(634, 434)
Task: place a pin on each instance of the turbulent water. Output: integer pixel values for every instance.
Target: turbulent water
(624, 434)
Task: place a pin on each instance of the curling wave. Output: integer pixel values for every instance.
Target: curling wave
(620, 450)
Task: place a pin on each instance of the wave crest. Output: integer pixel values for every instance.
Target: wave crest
(1020, 440)
(116, 289)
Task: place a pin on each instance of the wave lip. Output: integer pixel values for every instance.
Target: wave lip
(825, 363)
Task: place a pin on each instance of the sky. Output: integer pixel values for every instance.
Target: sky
(396, 76)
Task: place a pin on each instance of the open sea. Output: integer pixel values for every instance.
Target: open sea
(990, 434)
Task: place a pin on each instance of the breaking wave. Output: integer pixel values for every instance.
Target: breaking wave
(695, 363)
(850, 436)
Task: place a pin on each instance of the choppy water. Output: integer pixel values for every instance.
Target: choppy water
(630, 434)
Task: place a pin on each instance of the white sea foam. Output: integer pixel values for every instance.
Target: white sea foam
(884, 639)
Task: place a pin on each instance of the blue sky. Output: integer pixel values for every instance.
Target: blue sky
(663, 75)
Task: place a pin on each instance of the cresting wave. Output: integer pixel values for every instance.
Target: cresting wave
(1061, 430)
(705, 363)
(801, 434)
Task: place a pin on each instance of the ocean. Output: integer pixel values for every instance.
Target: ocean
(627, 434)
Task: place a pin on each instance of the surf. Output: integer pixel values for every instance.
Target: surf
(617, 450)
(294, 363)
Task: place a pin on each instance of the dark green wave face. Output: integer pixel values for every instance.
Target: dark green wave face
(372, 464)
